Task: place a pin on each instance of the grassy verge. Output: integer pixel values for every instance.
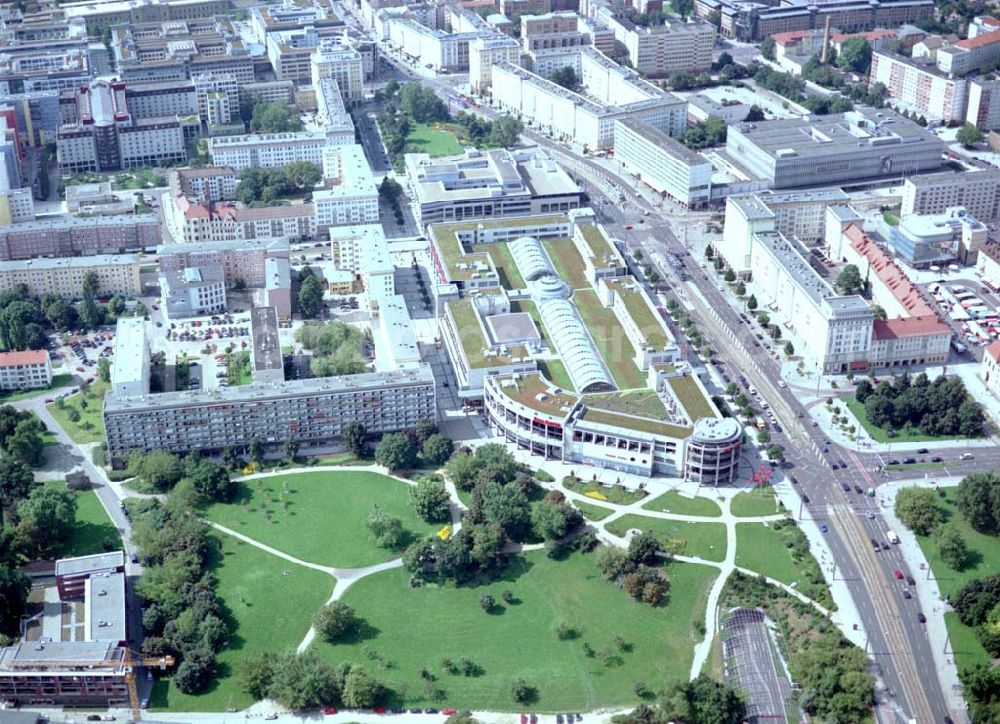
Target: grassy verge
(90, 426)
(780, 550)
(592, 512)
(701, 540)
(617, 494)
(755, 502)
(518, 640)
(673, 502)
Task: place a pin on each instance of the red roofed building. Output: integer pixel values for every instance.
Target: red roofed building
(28, 370)
(891, 288)
(877, 39)
(990, 369)
(902, 342)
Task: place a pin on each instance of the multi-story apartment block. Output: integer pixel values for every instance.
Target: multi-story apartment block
(990, 368)
(664, 164)
(117, 274)
(552, 31)
(27, 370)
(917, 85)
(101, 14)
(101, 135)
(159, 100)
(331, 112)
(984, 104)
(226, 221)
(979, 50)
(490, 184)
(978, 192)
(39, 67)
(362, 251)
(587, 118)
(217, 86)
(243, 262)
(78, 236)
(203, 185)
(349, 195)
(334, 59)
(484, 53)
(856, 146)
(130, 367)
(661, 50)
(268, 150)
(16, 206)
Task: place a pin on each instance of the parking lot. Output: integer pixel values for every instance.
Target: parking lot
(972, 311)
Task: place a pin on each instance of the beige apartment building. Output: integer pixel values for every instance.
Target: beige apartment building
(117, 274)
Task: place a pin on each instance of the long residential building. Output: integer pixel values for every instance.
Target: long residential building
(349, 195)
(978, 192)
(27, 370)
(663, 163)
(78, 236)
(677, 46)
(270, 150)
(859, 146)
(312, 412)
(243, 261)
(918, 86)
(117, 274)
(609, 92)
(489, 184)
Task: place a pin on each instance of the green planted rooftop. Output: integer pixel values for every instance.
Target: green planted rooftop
(631, 422)
(604, 254)
(645, 403)
(535, 392)
(691, 397)
(648, 322)
(474, 340)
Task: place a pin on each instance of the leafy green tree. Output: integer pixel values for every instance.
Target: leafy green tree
(256, 671)
(462, 470)
(978, 500)
(362, 690)
(355, 438)
(522, 692)
(767, 48)
(396, 451)
(789, 349)
(431, 501)
(763, 437)
(273, 117)
(47, 517)
(702, 701)
(16, 482)
(505, 132)
(551, 520)
(256, 450)
(91, 284)
(424, 429)
(291, 449)
(437, 448)
(856, 55)
(505, 505)
(59, 313)
(211, 482)
(487, 546)
(26, 443)
(951, 546)
(566, 77)
(613, 562)
(310, 296)
(89, 313)
(644, 549)
(849, 280)
(334, 621)
(751, 302)
(158, 469)
(303, 681)
(917, 509)
(969, 136)
(775, 452)
(740, 289)
(386, 530)
(104, 369)
(14, 589)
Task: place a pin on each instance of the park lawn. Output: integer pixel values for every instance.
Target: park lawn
(701, 540)
(433, 141)
(510, 277)
(555, 372)
(93, 526)
(878, 434)
(57, 382)
(619, 495)
(592, 512)
(567, 261)
(984, 550)
(610, 339)
(755, 502)
(90, 428)
(320, 516)
(266, 611)
(762, 548)
(673, 502)
(238, 369)
(518, 640)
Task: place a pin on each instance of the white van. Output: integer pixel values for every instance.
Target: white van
(893, 538)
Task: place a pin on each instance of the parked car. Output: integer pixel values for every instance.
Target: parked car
(921, 617)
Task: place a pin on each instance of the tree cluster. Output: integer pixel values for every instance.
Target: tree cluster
(637, 570)
(792, 88)
(706, 134)
(304, 681)
(337, 347)
(918, 510)
(268, 186)
(978, 500)
(977, 604)
(160, 471)
(942, 407)
(181, 613)
(502, 132)
(849, 280)
(273, 117)
(21, 435)
(565, 77)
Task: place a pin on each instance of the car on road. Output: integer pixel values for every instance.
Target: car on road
(330, 711)
(909, 461)
(842, 464)
(805, 499)
(909, 579)
(870, 515)
(823, 528)
(858, 489)
(795, 480)
(898, 574)
(430, 710)
(937, 459)
(966, 456)
(893, 461)
(448, 712)
(271, 717)
(845, 487)
(922, 451)
(906, 593)
(921, 617)
(781, 383)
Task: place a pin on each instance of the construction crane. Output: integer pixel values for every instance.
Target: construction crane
(132, 660)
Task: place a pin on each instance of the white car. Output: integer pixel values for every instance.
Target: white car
(781, 383)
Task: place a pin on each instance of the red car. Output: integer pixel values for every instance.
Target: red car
(379, 710)
(330, 711)
(628, 228)
(447, 712)
(48, 400)
(898, 574)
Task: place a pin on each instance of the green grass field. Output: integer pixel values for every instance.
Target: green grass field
(759, 501)
(433, 141)
(963, 644)
(57, 382)
(319, 517)
(555, 372)
(266, 611)
(703, 540)
(567, 261)
(518, 640)
(610, 339)
(612, 494)
(878, 434)
(93, 526)
(984, 550)
(90, 427)
(673, 502)
(592, 512)
(763, 549)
